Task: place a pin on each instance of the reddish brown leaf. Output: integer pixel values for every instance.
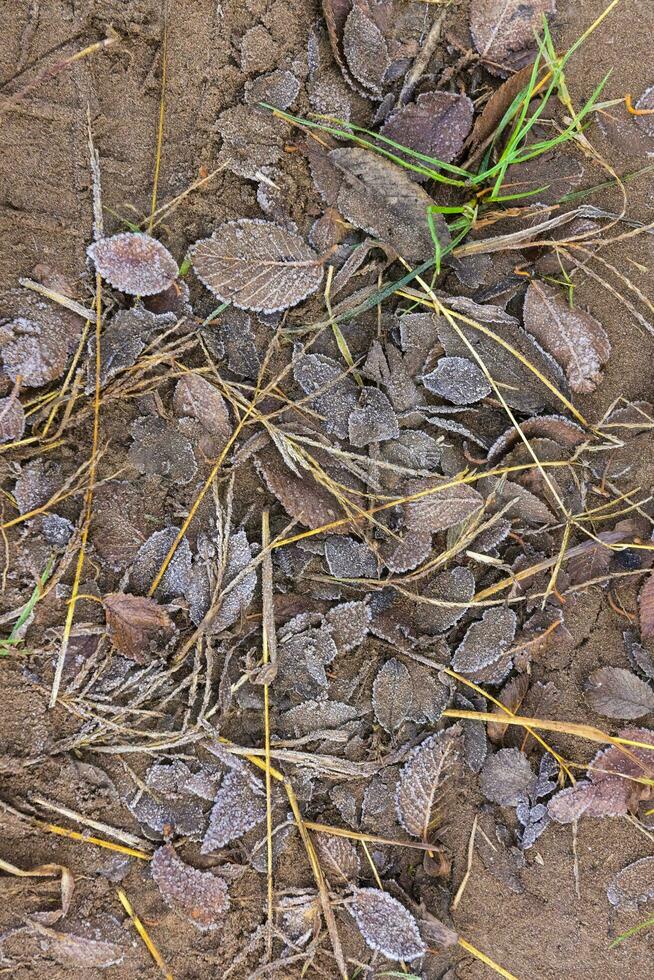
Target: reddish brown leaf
(133, 622)
(646, 608)
(512, 696)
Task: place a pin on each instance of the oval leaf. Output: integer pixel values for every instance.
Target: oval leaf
(386, 925)
(422, 779)
(134, 263)
(617, 693)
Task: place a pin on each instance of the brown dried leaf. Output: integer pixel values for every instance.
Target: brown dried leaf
(575, 338)
(422, 779)
(240, 805)
(374, 420)
(501, 27)
(134, 263)
(498, 104)
(257, 265)
(439, 510)
(12, 419)
(617, 693)
(646, 608)
(339, 857)
(506, 777)
(200, 896)
(392, 695)
(196, 398)
(512, 696)
(133, 622)
(35, 352)
(436, 124)
(77, 952)
(300, 496)
(452, 585)
(386, 925)
(485, 641)
(380, 198)
(365, 50)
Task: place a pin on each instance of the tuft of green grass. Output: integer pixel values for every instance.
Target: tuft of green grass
(9, 643)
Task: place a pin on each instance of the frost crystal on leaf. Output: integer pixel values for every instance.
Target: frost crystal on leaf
(458, 380)
(374, 420)
(485, 641)
(151, 556)
(134, 263)
(349, 624)
(12, 419)
(339, 856)
(347, 558)
(422, 779)
(507, 777)
(200, 896)
(617, 693)
(392, 695)
(239, 806)
(159, 449)
(366, 50)
(257, 265)
(386, 925)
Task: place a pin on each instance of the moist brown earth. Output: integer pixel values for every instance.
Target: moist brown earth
(550, 919)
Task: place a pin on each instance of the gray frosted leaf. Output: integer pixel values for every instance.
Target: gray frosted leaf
(506, 777)
(339, 857)
(257, 265)
(77, 952)
(125, 336)
(12, 419)
(422, 779)
(278, 88)
(414, 547)
(239, 806)
(415, 450)
(236, 600)
(500, 27)
(159, 449)
(151, 556)
(252, 139)
(475, 740)
(365, 50)
(485, 641)
(349, 623)
(380, 198)
(633, 886)
(347, 558)
(435, 509)
(454, 585)
(134, 263)
(336, 393)
(386, 925)
(166, 804)
(200, 896)
(312, 716)
(608, 798)
(436, 124)
(392, 695)
(575, 338)
(458, 380)
(35, 352)
(617, 693)
(374, 420)
(430, 696)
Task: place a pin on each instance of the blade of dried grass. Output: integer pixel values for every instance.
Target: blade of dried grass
(162, 113)
(143, 933)
(269, 645)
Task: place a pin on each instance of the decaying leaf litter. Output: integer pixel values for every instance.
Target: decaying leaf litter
(395, 381)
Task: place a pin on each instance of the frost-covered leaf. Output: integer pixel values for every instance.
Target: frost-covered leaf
(239, 806)
(475, 741)
(151, 556)
(134, 623)
(633, 886)
(457, 380)
(485, 641)
(434, 509)
(380, 198)
(646, 608)
(125, 336)
(336, 393)
(196, 398)
(454, 585)
(32, 351)
(200, 896)
(76, 952)
(501, 27)
(347, 558)
(617, 693)
(575, 338)
(422, 779)
(386, 925)
(235, 600)
(134, 263)
(430, 695)
(436, 124)
(349, 623)
(300, 496)
(365, 50)
(557, 428)
(373, 420)
(257, 265)
(312, 716)
(414, 450)
(160, 449)
(12, 419)
(278, 88)
(339, 857)
(414, 547)
(252, 139)
(392, 694)
(506, 777)
(166, 805)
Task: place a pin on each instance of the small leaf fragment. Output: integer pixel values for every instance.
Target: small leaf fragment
(133, 622)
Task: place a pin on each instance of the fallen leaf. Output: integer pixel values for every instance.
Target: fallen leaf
(200, 896)
(339, 857)
(511, 696)
(422, 780)
(300, 496)
(440, 509)
(348, 623)
(500, 28)
(134, 263)
(380, 198)
(347, 558)
(77, 952)
(633, 886)
(506, 777)
(485, 641)
(196, 398)
(392, 695)
(386, 925)
(575, 338)
(240, 805)
(365, 50)
(257, 265)
(160, 449)
(373, 420)
(646, 608)
(35, 352)
(133, 622)
(498, 105)
(457, 380)
(436, 125)
(455, 585)
(617, 693)
(12, 419)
